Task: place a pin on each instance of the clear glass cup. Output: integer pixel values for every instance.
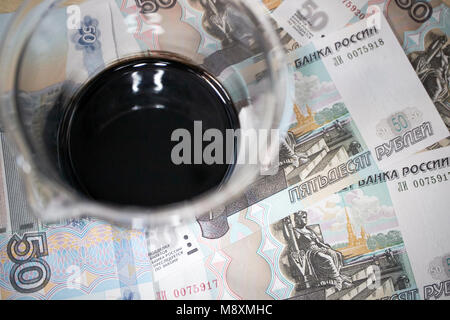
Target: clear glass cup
(52, 48)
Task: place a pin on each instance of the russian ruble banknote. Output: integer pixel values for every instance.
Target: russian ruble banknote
(72, 259)
(68, 259)
(83, 259)
(347, 246)
(76, 259)
(235, 230)
(193, 240)
(324, 139)
(63, 269)
(419, 195)
(390, 106)
(211, 274)
(388, 230)
(421, 27)
(385, 236)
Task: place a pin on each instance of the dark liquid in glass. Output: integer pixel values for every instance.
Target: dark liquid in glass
(115, 138)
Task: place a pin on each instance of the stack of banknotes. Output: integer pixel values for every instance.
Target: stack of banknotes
(359, 207)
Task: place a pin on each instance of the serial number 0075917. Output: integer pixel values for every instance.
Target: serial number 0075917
(194, 289)
(422, 182)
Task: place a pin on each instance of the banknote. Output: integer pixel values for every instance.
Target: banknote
(76, 259)
(311, 19)
(94, 45)
(100, 39)
(322, 129)
(391, 131)
(81, 51)
(366, 211)
(347, 246)
(421, 27)
(198, 257)
(84, 259)
(286, 39)
(306, 20)
(210, 33)
(420, 197)
(423, 30)
(67, 259)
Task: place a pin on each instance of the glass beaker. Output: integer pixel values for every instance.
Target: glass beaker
(53, 48)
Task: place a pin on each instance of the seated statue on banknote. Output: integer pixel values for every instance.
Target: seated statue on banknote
(313, 263)
(433, 68)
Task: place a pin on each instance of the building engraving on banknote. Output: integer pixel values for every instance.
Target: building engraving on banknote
(316, 146)
(322, 137)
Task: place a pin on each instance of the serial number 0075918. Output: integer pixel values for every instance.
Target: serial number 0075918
(365, 49)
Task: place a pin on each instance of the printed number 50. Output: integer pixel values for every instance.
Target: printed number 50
(30, 273)
(399, 122)
(318, 20)
(89, 34)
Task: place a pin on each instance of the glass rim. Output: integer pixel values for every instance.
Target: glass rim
(12, 48)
